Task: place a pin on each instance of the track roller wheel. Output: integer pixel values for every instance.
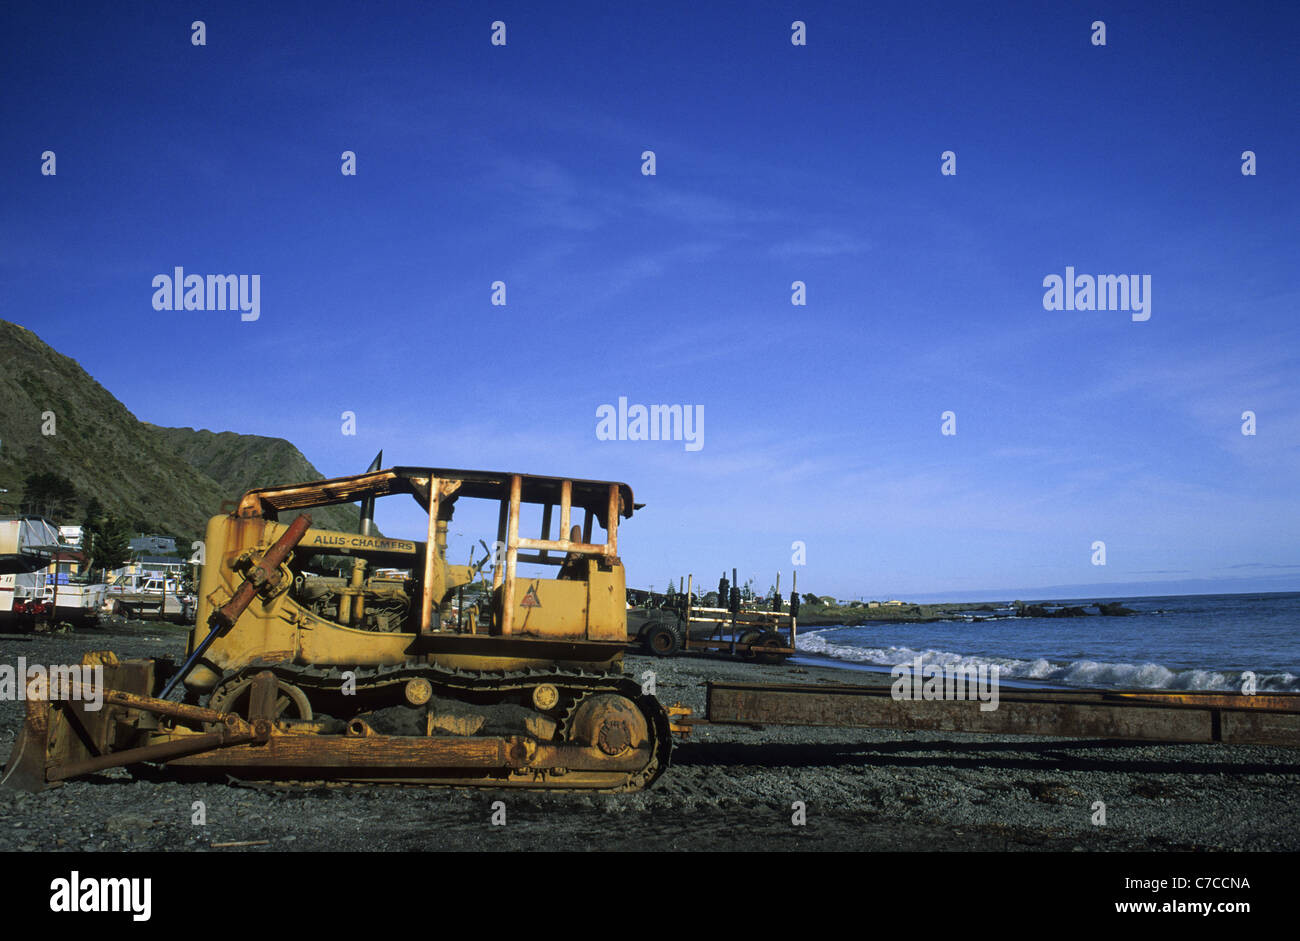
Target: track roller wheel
(233, 695)
(609, 722)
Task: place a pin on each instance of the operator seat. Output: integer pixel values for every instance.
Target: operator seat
(574, 566)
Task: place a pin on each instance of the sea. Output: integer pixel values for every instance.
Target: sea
(1179, 642)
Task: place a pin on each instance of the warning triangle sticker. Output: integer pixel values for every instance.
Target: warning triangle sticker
(530, 599)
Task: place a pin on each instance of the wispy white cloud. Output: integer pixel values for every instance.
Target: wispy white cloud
(822, 243)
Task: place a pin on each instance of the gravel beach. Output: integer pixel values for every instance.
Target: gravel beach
(730, 788)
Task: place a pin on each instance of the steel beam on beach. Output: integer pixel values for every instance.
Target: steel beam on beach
(1132, 715)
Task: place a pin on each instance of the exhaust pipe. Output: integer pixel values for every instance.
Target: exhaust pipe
(359, 565)
(368, 503)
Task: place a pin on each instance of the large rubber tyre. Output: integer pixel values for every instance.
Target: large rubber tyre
(662, 639)
(769, 639)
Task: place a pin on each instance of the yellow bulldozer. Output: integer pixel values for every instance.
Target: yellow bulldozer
(384, 673)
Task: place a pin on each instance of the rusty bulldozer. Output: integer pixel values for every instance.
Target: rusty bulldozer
(386, 675)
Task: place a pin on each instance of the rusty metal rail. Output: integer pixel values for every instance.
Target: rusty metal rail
(1132, 715)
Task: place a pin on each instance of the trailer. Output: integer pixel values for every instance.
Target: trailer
(150, 597)
(22, 601)
(760, 631)
(73, 600)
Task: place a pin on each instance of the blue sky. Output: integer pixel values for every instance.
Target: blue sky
(775, 163)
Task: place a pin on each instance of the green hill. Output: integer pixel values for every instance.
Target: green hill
(239, 463)
(162, 480)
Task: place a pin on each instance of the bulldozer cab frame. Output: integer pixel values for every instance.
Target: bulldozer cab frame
(437, 491)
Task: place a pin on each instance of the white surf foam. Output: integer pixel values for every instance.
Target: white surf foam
(1082, 673)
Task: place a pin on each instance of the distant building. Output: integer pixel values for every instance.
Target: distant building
(71, 536)
(153, 545)
(63, 566)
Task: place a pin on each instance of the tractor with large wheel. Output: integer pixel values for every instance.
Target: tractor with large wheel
(749, 629)
(657, 631)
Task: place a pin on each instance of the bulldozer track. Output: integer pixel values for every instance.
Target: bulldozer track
(573, 685)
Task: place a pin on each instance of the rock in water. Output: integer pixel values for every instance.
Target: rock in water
(1114, 609)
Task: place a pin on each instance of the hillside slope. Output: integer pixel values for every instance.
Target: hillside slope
(167, 480)
(241, 462)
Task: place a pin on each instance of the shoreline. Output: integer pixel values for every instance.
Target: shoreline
(728, 788)
(821, 662)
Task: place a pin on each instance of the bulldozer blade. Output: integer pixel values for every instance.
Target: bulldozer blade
(25, 770)
(61, 733)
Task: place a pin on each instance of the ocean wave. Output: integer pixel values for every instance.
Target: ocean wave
(1089, 674)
